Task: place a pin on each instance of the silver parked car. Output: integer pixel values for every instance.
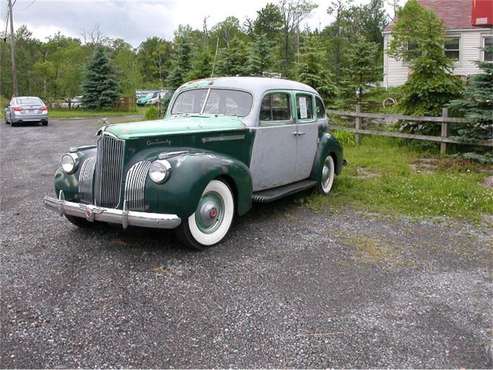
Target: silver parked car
(22, 109)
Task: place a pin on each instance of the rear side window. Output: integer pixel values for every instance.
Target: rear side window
(319, 108)
(304, 106)
(275, 107)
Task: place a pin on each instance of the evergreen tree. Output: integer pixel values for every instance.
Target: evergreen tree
(311, 69)
(259, 56)
(477, 104)
(418, 39)
(181, 62)
(361, 70)
(231, 60)
(201, 65)
(100, 87)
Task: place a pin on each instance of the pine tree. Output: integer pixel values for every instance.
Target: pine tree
(418, 39)
(182, 58)
(311, 69)
(477, 104)
(231, 60)
(259, 56)
(201, 65)
(100, 87)
(361, 70)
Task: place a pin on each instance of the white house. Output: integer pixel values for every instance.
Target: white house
(463, 43)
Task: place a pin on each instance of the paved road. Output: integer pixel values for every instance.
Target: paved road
(289, 288)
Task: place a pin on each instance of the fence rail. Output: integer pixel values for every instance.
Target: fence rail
(385, 119)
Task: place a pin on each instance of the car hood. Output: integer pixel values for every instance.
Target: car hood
(174, 126)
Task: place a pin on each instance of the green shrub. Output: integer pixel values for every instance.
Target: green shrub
(344, 137)
(151, 113)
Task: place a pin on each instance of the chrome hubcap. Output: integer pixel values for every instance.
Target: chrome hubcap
(210, 212)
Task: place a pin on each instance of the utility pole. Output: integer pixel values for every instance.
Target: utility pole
(15, 90)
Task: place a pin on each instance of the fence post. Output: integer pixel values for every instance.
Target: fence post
(357, 124)
(444, 134)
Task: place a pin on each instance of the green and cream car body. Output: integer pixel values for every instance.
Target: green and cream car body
(223, 144)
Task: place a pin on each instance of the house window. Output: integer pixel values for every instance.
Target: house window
(412, 50)
(452, 48)
(488, 43)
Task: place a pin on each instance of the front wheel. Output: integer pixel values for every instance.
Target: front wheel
(328, 175)
(212, 219)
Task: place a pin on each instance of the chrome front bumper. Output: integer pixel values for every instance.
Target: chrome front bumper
(111, 215)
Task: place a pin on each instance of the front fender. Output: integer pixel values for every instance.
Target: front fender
(70, 183)
(191, 172)
(328, 145)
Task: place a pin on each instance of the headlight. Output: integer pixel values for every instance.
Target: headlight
(69, 163)
(159, 171)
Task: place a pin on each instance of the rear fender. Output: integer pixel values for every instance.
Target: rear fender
(328, 145)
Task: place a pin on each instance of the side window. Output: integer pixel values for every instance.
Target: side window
(319, 108)
(275, 107)
(487, 43)
(304, 106)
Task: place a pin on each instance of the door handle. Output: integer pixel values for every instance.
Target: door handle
(298, 133)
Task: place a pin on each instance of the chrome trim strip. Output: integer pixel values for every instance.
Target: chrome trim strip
(166, 155)
(74, 149)
(115, 216)
(222, 138)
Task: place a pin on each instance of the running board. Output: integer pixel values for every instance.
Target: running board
(270, 195)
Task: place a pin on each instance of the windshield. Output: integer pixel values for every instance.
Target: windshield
(29, 101)
(219, 101)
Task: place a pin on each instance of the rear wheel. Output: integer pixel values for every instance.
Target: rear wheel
(13, 124)
(79, 221)
(212, 219)
(328, 175)
(44, 123)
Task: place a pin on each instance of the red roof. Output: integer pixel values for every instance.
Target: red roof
(456, 14)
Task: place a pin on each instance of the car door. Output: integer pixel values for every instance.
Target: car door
(307, 134)
(273, 161)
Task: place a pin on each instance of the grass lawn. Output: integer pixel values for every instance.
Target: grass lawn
(80, 113)
(387, 177)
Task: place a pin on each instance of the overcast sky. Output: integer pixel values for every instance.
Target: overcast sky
(135, 20)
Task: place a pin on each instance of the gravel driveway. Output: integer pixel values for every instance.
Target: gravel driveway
(289, 288)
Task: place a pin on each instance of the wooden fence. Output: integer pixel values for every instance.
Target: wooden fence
(387, 119)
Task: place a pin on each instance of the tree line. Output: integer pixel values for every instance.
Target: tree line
(337, 60)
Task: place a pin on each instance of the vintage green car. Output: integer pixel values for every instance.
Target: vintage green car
(223, 144)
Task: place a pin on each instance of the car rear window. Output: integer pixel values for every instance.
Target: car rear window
(29, 101)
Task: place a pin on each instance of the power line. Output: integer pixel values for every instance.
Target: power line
(28, 6)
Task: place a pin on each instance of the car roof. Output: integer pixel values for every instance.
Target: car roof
(256, 85)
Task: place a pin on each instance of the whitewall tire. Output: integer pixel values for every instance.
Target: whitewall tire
(328, 175)
(212, 219)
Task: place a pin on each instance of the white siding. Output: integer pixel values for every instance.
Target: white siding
(396, 72)
(470, 52)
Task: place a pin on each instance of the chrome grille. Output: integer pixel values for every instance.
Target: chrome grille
(86, 176)
(135, 186)
(109, 171)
